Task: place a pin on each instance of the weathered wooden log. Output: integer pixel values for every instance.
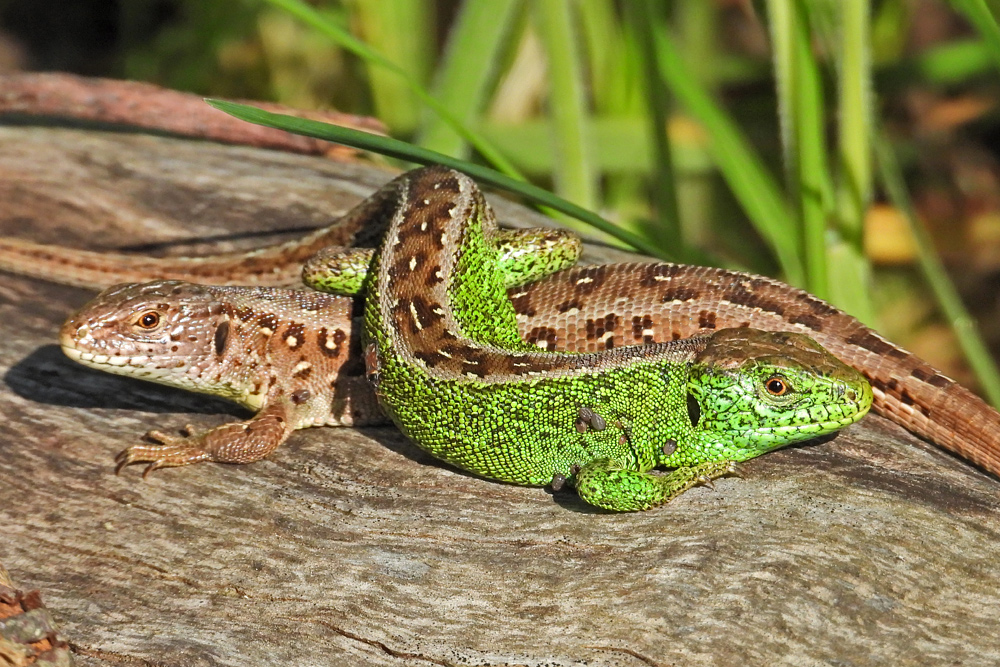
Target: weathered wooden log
(353, 547)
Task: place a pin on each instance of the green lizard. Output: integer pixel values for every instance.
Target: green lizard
(449, 367)
(581, 310)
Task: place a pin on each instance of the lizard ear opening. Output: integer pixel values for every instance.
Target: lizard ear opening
(221, 336)
(694, 410)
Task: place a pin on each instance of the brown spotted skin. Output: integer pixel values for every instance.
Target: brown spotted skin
(597, 308)
(288, 354)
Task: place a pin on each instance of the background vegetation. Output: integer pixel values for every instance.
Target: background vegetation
(833, 143)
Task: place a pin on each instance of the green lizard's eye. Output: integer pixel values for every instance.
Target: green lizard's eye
(148, 320)
(776, 385)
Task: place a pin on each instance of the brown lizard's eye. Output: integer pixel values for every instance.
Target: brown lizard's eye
(148, 320)
(776, 385)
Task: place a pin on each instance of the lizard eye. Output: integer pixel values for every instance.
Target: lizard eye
(148, 320)
(776, 385)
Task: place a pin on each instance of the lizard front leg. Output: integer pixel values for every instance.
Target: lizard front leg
(238, 442)
(608, 484)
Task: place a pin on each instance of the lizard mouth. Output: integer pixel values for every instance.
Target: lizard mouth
(99, 360)
(815, 429)
(69, 340)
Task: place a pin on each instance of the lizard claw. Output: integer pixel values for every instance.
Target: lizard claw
(151, 467)
(171, 453)
(122, 460)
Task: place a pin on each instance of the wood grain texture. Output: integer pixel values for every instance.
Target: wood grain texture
(353, 547)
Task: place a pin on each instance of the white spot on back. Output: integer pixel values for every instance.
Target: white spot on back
(416, 318)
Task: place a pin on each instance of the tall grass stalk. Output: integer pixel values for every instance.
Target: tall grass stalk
(348, 42)
(934, 272)
(744, 172)
(802, 115)
(467, 70)
(574, 175)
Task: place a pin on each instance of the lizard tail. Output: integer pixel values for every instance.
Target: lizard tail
(277, 265)
(630, 304)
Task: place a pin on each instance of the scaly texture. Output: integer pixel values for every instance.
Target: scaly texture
(600, 307)
(279, 352)
(290, 355)
(452, 372)
(595, 308)
(270, 266)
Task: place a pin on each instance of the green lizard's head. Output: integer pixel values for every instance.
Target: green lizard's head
(752, 391)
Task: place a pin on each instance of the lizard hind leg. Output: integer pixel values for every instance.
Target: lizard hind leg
(608, 484)
(237, 442)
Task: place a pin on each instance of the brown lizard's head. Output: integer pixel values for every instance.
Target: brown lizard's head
(166, 331)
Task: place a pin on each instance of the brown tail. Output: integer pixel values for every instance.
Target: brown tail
(278, 265)
(597, 307)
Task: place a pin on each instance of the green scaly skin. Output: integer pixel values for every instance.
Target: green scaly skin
(451, 371)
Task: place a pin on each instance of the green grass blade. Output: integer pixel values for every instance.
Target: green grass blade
(611, 61)
(745, 173)
(954, 62)
(622, 146)
(643, 15)
(404, 151)
(947, 296)
(982, 17)
(467, 69)
(350, 43)
(855, 111)
(403, 32)
(800, 106)
(850, 271)
(574, 176)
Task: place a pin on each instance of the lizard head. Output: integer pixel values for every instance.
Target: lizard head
(752, 391)
(165, 331)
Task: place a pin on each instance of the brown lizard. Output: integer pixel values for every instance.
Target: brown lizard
(579, 310)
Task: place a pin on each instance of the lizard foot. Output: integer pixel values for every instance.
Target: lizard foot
(160, 457)
(238, 442)
(171, 452)
(611, 485)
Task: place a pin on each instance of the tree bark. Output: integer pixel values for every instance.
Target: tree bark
(354, 547)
